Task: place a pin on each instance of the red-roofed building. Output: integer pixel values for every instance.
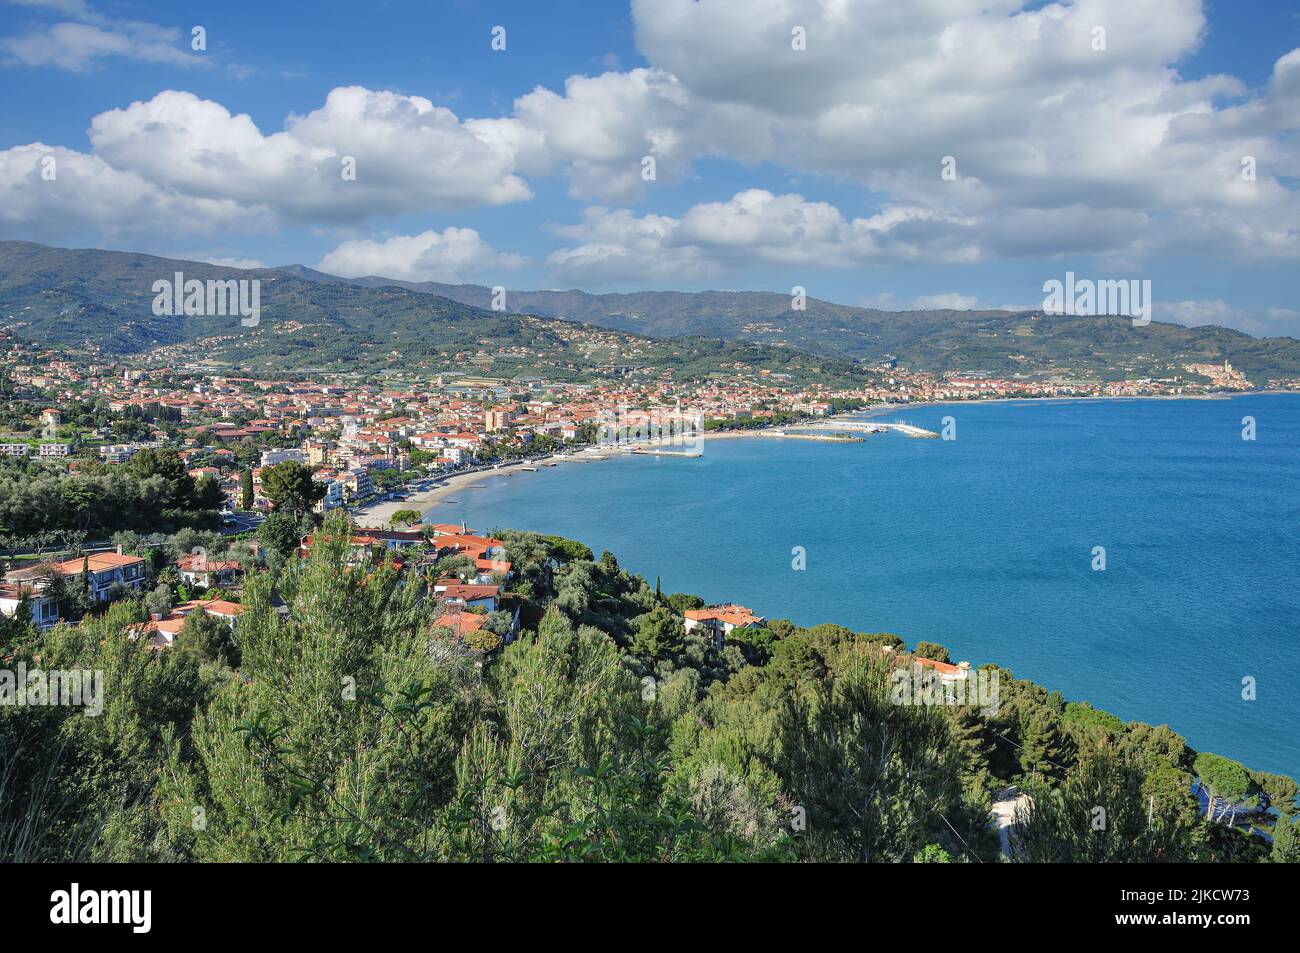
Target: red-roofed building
(103, 571)
(721, 621)
(460, 623)
(947, 672)
(162, 629)
(455, 592)
(197, 570)
(44, 608)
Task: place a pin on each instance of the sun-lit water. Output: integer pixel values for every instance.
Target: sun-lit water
(986, 544)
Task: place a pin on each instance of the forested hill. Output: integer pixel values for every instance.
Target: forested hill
(103, 300)
(604, 731)
(311, 319)
(999, 343)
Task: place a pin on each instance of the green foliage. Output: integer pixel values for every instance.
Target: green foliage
(679, 602)
(1101, 813)
(1082, 720)
(933, 854)
(1280, 791)
(167, 465)
(1286, 841)
(208, 639)
(290, 488)
(1225, 777)
(568, 550)
(874, 778)
(279, 533)
(100, 501)
(246, 493)
(76, 785)
(405, 518)
(349, 727)
(931, 650)
(659, 634)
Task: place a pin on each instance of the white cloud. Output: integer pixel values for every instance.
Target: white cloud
(616, 245)
(409, 155)
(716, 238)
(946, 302)
(49, 193)
(180, 162)
(79, 43)
(1201, 312)
(1059, 148)
(225, 261)
(601, 128)
(448, 256)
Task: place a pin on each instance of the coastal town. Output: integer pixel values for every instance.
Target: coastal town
(365, 438)
(386, 450)
(663, 432)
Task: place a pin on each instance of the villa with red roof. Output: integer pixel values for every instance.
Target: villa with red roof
(454, 592)
(162, 629)
(197, 570)
(721, 621)
(103, 571)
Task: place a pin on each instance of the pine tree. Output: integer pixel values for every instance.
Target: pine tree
(1286, 841)
(1042, 745)
(967, 729)
(1100, 814)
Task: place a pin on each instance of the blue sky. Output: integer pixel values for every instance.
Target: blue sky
(1119, 156)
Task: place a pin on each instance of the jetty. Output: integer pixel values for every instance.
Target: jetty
(911, 430)
(688, 454)
(874, 427)
(824, 437)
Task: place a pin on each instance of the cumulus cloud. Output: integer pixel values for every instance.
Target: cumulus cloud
(451, 255)
(362, 153)
(179, 161)
(980, 129)
(715, 238)
(1057, 146)
(52, 193)
(602, 128)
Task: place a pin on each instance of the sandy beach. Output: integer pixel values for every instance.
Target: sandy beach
(446, 488)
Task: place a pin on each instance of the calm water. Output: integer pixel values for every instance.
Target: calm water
(985, 544)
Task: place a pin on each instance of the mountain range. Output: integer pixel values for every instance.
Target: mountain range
(103, 297)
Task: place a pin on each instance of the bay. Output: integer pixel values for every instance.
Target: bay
(986, 544)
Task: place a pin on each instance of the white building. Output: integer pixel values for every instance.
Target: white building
(271, 457)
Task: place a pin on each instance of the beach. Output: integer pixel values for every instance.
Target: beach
(445, 488)
(986, 545)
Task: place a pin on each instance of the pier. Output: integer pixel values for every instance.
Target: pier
(874, 427)
(688, 454)
(825, 437)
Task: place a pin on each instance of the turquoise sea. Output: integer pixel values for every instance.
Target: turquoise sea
(986, 544)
